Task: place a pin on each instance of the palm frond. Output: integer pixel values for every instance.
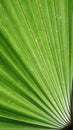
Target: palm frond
(36, 46)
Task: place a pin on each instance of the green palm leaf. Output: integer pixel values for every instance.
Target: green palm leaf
(35, 64)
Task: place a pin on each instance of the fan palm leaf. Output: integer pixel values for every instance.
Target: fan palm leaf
(36, 46)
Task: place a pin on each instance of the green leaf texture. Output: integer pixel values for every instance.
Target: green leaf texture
(36, 46)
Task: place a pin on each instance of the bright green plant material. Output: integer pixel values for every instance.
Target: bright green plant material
(36, 64)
